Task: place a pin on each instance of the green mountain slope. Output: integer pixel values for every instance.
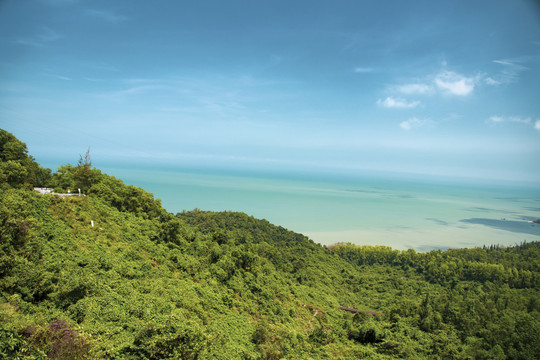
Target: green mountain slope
(112, 275)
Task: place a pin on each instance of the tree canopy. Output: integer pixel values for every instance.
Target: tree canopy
(17, 168)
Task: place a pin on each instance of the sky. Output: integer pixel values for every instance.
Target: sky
(442, 88)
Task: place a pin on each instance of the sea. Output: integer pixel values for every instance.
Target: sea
(402, 212)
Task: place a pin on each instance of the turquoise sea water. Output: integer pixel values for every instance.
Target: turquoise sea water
(400, 213)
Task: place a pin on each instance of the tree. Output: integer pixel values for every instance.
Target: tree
(83, 172)
(11, 148)
(17, 168)
(12, 173)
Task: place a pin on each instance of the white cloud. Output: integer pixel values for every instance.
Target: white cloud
(445, 82)
(491, 81)
(414, 123)
(454, 83)
(503, 62)
(414, 88)
(363, 70)
(496, 119)
(391, 102)
(405, 125)
(516, 119)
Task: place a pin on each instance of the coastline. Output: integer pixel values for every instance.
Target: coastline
(471, 235)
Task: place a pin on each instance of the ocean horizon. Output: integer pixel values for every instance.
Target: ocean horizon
(403, 212)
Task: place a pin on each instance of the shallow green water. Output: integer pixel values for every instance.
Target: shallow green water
(399, 213)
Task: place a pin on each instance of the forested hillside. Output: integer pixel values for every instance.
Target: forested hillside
(112, 275)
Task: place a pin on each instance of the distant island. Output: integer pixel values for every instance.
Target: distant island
(113, 275)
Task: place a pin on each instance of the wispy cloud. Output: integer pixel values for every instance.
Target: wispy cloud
(101, 66)
(391, 102)
(454, 83)
(134, 90)
(491, 81)
(414, 123)
(519, 119)
(515, 119)
(496, 119)
(105, 15)
(59, 77)
(511, 69)
(126, 88)
(414, 88)
(363, 70)
(40, 39)
(503, 62)
(191, 95)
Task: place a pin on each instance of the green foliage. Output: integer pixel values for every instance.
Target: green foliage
(177, 339)
(365, 329)
(83, 175)
(519, 267)
(473, 295)
(17, 168)
(15, 346)
(144, 284)
(69, 177)
(18, 242)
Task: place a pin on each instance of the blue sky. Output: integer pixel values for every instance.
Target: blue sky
(425, 87)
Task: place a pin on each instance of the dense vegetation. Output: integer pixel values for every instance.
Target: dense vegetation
(142, 283)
